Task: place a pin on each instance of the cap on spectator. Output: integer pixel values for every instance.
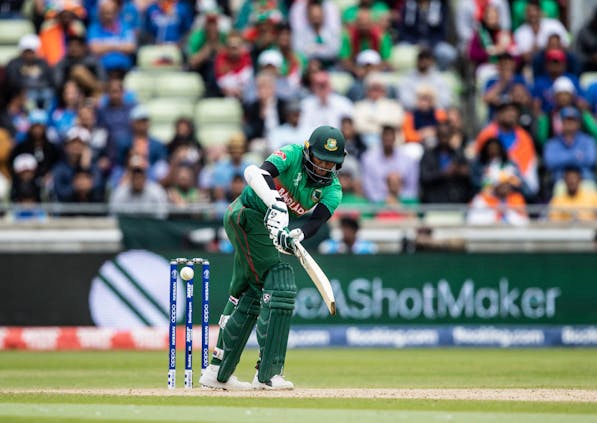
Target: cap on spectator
(29, 42)
(563, 84)
(237, 140)
(78, 133)
(24, 162)
(368, 57)
(570, 112)
(555, 55)
(270, 57)
(38, 117)
(139, 112)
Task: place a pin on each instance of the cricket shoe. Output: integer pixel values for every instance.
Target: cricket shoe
(276, 383)
(209, 379)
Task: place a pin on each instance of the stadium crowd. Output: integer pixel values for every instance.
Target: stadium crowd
(396, 76)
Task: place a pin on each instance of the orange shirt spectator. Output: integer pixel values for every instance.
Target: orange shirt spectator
(63, 20)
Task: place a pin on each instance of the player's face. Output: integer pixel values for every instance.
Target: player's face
(322, 167)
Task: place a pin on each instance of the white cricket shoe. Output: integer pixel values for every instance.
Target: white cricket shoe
(277, 382)
(209, 379)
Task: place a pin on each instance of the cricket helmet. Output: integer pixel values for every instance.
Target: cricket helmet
(327, 144)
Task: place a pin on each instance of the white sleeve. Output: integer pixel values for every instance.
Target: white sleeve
(256, 180)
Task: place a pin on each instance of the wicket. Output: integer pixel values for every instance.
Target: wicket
(188, 367)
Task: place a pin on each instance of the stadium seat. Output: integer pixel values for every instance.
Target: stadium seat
(341, 82)
(587, 78)
(218, 111)
(166, 111)
(455, 83)
(158, 57)
(142, 83)
(342, 5)
(484, 73)
(403, 57)
(188, 85)
(7, 53)
(443, 218)
(390, 79)
(215, 134)
(163, 132)
(11, 30)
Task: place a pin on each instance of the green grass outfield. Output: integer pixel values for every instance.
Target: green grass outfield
(468, 369)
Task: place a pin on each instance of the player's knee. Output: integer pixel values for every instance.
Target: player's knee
(279, 288)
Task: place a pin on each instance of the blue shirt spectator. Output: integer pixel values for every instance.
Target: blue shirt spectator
(167, 21)
(555, 67)
(591, 96)
(115, 112)
(571, 148)
(349, 243)
(111, 39)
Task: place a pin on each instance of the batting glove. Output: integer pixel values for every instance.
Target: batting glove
(276, 218)
(286, 239)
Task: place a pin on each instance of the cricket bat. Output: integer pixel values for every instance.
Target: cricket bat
(319, 278)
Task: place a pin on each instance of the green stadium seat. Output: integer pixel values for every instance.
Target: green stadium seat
(179, 85)
(7, 53)
(587, 78)
(342, 5)
(216, 135)
(403, 57)
(341, 82)
(390, 79)
(143, 83)
(218, 111)
(166, 111)
(159, 57)
(11, 30)
(455, 83)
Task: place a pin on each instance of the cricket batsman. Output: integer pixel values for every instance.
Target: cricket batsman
(292, 181)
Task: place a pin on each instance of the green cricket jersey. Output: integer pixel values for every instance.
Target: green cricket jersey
(292, 185)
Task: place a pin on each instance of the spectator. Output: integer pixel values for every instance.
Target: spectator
(374, 110)
(499, 202)
(469, 14)
(37, 144)
(425, 73)
(77, 161)
(350, 242)
(318, 24)
(564, 95)
(492, 155)
(521, 97)
(14, 116)
(444, 171)
(516, 141)
(490, 39)
(270, 62)
(62, 21)
(103, 153)
(80, 66)
(202, 47)
(501, 85)
(460, 139)
(184, 191)
(533, 34)
(586, 44)
(289, 132)
(293, 63)
(368, 61)
(352, 194)
(167, 21)
(379, 161)
(114, 113)
(267, 111)
(425, 22)
(571, 148)
(420, 124)
(184, 136)
(354, 144)
(550, 8)
(364, 35)
(394, 203)
(576, 202)
(31, 72)
(554, 42)
(25, 179)
(219, 178)
(263, 34)
(250, 9)
(555, 67)
(5, 170)
(233, 67)
(138, 194)
(185, 154)
(111, 40)
(141, 143)
(324, 107)
(64, 115)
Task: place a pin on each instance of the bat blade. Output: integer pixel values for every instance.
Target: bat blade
(317, 275)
